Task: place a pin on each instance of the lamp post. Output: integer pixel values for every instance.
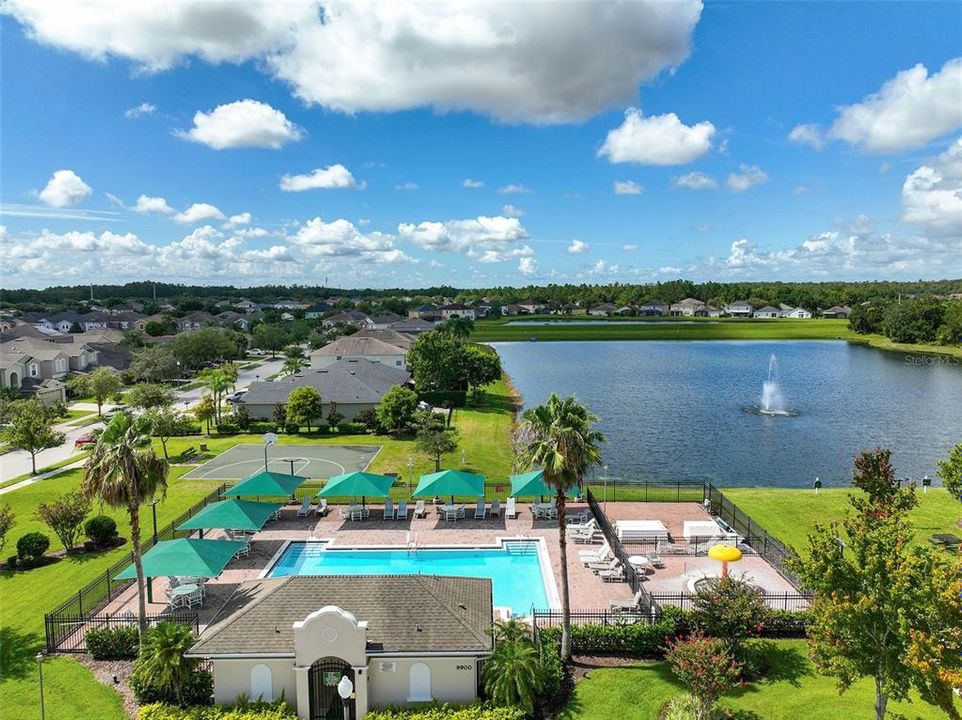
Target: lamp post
(410, 472)
(345, 688)
(43, 714)
(269, 439)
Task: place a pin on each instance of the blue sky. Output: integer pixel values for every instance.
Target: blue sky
(823, 138)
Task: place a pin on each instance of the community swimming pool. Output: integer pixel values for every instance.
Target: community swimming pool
(519, 570)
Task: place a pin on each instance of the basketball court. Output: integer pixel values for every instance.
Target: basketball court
(313, 461)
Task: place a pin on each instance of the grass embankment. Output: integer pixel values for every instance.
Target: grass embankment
(585, 328)
(790, 515)
(793, 690)
(71, 691)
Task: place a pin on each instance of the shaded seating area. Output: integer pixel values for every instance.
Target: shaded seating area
(229, 515)
(359, 485)
(267, 484)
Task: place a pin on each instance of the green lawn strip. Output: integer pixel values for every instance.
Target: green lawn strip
(85, 421)
(70, 691)
(794, 690)
(73, 414)
(789, 515)
(40, 471)
(26, 596)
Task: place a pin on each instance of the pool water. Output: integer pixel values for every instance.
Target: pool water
(514, 568)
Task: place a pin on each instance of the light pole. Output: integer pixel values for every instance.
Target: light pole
(43, 714)
(605, 468)
(410, 472)
(345, 688)
(153, 510)
(269, 439)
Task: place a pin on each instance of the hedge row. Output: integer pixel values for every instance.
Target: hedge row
(278, 710)
(476, 711)
(229, 427)
(116, 643)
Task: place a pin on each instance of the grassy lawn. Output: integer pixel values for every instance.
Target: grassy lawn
(45, 469)
(74, 414)
(71, 691)
(789, 515)
(794, 690)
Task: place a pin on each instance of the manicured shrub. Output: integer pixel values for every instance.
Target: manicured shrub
(65, 516)
(553, 677)
(476, 711)
(731, 610)
(31, 548)
(277, 710)
(352, 428)
(292, 428)
(705, 666)
(369, 418)
(259, 427)
(116, 643)
(101, 529)
(12, 561)
(227, 427)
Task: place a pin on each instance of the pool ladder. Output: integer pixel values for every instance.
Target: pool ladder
(411, 541)
(521, 548)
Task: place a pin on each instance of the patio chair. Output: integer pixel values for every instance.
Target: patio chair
(580, 518)
(305, 509)
(321, 508)
(345, 512)
(598, 555)
(460, 512)
(495, 510)
(617, 575)
(479, 509)
(420, 510)
(510, 510)
(603, 566)
(388, 509)
(655, 560)
(402, 510)
(630, 604)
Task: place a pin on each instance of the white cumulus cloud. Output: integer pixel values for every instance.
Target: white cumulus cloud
(146, 204)
(199, 212)
(656, 140)
(694, 181)
(747, 177)
(242, 124)
(527, 266)
(909, 111)
(333, 177)
(341, 239)
(808, 134)
(145, 108)
(577, 246)
(472, 183)
(485, 239)
(627, 187)
(932, 194)
(511, 210)
(514, 189)
(65, 188)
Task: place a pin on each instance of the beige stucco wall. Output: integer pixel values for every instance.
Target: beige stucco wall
(232, 678)
(453, 679)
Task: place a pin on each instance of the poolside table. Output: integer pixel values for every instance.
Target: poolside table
(359, 512)
(186, 595)
(453, 512)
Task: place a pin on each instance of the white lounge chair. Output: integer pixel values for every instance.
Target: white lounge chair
(495, 510)
(305, 508)
(420, 510)
(510, 510)
(479, 509)
(598, 555)
(630, 604)
(655, 560)
(580, 518)
(388, 509)
(602, 566)
(321, 508)
(615, 575)
(402, 510)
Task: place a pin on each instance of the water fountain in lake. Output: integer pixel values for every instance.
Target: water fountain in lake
(772, 401)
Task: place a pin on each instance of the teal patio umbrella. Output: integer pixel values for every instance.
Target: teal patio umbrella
(231, 515)
(267, 483)
(450, 482)
(357, 483)
(532, 483)
(184, 556)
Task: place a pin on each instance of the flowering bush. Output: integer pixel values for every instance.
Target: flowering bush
(706, 667)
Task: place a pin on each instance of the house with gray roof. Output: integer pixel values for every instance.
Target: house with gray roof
(740, 308)
(399, 639)
(349, 317)
(768, 312)
(391, 337)
(354, 384)
(354, 347)
(689, 307)
(413, 326)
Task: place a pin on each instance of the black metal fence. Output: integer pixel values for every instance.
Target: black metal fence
(68, 633)
(776, 554)
(620, 489)
(789, 601)
(90, 599)
(631, 575)
(552, 618)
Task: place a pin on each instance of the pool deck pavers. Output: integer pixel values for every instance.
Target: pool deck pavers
(587, 591)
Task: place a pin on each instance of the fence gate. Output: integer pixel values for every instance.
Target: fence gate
(323, 678)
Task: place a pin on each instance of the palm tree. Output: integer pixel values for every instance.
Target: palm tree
(458, 327)
(218, 381)
(512, 675)
(558, 438)
(293, 365)
(161, 663)
(124, 472)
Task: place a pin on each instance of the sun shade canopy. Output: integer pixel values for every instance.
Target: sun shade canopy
(450, 482)
(267, 483)
(231, 515)
(357, 483)
(532, 483)
(186, 556)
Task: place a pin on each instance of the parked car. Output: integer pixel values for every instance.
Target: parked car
(114, 410)
(85, 439)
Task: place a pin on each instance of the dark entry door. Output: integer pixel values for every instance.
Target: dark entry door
(323, 678)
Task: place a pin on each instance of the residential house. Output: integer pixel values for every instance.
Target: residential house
(653, 308)
(840, 312)
(96, 321)
(709, 311)
(768, 312)
(457, 310)
(399, 639)
(511, 309)
(382, 322)
(798, 313)
(22, 329)
(245, 305)
(234, 320)
(317, 310)
(739, 309)
(413, 326)
(195, 321)
(34, 367)
(689, 307)
(603, 310)
(349, 317)
(425, 312)
(534, 307)
(391, 337)
(354, 384)
(64, 321)
(353, 347)
(625, 310)
(125, 320)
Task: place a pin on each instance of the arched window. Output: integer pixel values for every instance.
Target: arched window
(420, 689)
(261, 686)
(34, 370)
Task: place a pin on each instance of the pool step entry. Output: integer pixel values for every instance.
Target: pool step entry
(521, 548)
(312, 549)
(411, 542)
